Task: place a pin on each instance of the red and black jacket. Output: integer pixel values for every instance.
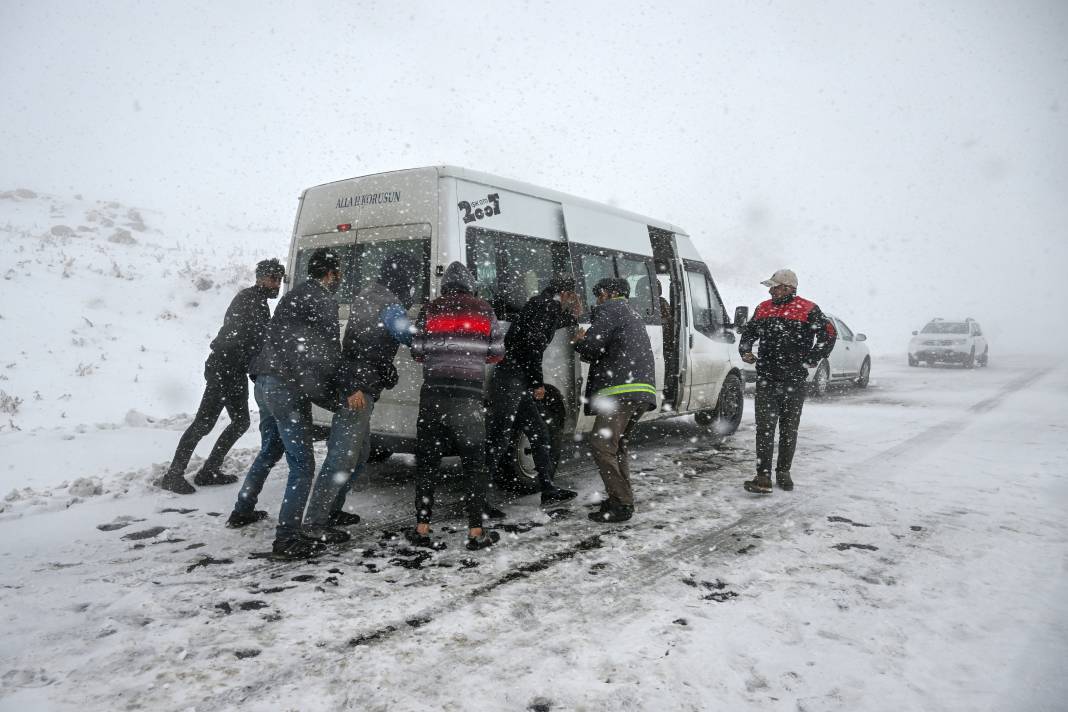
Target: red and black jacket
(791, 334)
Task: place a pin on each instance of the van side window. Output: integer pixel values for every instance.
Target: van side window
(708, 314)
(594, 265)
(510, 269)
(637, 271)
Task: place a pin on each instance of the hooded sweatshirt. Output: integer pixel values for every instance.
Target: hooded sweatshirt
(456, 336)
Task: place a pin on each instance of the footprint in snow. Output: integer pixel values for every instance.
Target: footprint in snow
(145, 533)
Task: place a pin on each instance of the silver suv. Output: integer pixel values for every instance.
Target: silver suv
(944, 341)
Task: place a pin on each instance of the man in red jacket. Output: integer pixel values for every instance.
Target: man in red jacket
(456, 336)
(793, 334)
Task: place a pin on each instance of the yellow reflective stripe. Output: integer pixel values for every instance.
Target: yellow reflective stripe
(628, 388)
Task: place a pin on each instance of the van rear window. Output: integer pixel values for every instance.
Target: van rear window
(362, 260)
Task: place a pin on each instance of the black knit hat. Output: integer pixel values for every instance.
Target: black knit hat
(610, 286)
(560, 283)
(323, 261)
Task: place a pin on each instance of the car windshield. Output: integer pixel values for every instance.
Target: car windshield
(945, 327)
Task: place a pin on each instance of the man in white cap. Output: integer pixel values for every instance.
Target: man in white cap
(793, 333)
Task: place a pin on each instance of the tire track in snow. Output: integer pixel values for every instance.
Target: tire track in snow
(650, 566)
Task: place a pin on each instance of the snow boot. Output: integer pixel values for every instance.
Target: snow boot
(209, 476)
(784, 481)
(295, 549)
(326, 535)
(761, 484)
(238, 520)
(343, 519)
(486, 539)
(554, 495)
(174, 482)
(612, 512)
(491, 512)
(423, 541)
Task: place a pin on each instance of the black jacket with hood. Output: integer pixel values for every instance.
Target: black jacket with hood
(303, 343)
(243, 331)
(622, 367)
(529, 335)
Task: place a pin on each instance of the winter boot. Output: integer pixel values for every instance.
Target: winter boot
(784, 481)
(209, 476)
(422, 540)
(174, 482)
(761, 484)
(553, 495)
(486, 539)
(238, 520)
(612, 512)
(343, 519)
(491, 512)
(295, 549)
(326, 535)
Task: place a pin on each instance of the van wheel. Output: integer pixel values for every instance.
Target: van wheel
(522, 476)
(865, 373)
(821, 382)
(727, 416)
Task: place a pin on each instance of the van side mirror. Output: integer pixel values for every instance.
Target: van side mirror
(741, 315)
(861, 337)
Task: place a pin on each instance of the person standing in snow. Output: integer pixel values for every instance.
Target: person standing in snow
(517, 383)
(793, 333)
(378, 324)
(457, 335)
(226, 381)
(620, 387)
(295, 368)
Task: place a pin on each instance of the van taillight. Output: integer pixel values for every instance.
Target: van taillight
(344, 227)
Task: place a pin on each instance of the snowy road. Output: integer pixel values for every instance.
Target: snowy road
(920, 564)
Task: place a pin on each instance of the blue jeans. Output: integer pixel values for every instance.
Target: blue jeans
(286, 428)
(347, 449)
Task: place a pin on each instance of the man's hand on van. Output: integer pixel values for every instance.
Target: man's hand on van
(356, 401)
(580, 335)
(539, 393)
(749, 357)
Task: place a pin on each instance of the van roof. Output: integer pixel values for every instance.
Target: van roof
(447, 171)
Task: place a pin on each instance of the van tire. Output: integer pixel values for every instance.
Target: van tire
(727, 416)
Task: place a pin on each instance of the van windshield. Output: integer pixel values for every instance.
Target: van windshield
(360, 262)
(945, 327)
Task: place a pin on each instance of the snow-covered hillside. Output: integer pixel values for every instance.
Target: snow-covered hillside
(106, 312)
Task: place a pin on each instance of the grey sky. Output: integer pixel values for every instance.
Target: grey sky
(908, 159)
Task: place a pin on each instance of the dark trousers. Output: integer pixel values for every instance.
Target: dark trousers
(512, 409)
(777, 403)
(221, 390)
(450, 424)
(608, 441)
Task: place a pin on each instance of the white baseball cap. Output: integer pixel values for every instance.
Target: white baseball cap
(782, 277)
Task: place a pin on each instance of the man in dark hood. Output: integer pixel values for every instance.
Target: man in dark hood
(517, 384)
(378, 325)
(456, 336)
(226, 381)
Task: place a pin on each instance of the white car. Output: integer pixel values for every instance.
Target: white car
(850, 360)
(943, 341)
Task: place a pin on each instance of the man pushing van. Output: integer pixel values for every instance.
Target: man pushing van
(619, 389)
(378, 324)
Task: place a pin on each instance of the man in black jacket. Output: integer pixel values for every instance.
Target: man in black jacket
(793, 333)
(378, 324)
(620, 387)
(517, 383)
(295, 368)
(226, 377)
